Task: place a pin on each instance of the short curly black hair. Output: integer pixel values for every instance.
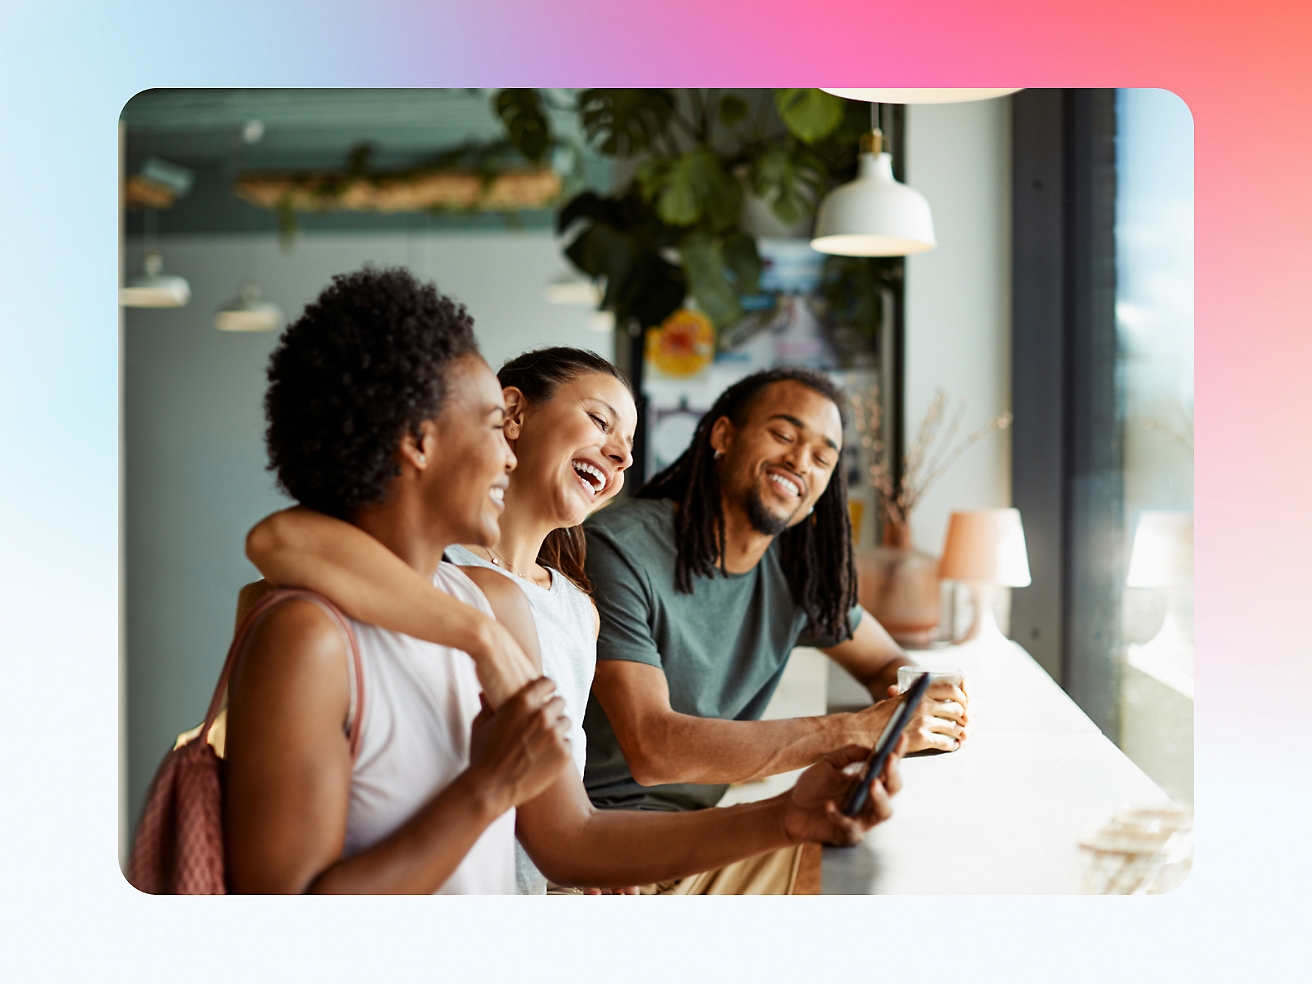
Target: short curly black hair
(363, 366)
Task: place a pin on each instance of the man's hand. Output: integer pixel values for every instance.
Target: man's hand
(518, 751)
(940, 722)
(812, 806)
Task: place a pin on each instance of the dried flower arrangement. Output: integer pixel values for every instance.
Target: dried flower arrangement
(929, 456)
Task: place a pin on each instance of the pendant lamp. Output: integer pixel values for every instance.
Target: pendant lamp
(875, 215)
(570, 288)
(153, 288)
(920, 96)
(246, 312)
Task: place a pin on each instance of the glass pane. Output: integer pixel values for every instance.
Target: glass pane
(1154, 324)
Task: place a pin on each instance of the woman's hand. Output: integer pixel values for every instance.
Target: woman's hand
(811, 807)
(942, 720)
(503, 668)
(520, 750)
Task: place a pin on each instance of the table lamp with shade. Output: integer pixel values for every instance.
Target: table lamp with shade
(985, 549)
(1162, 558)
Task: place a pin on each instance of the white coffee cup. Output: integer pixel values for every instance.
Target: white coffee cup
(907, 674)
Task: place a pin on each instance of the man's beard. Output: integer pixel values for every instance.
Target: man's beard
(763, 521)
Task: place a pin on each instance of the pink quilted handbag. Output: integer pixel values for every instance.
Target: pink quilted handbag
(179, 846)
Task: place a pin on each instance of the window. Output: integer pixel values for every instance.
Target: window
(1102, 370)
(1154, 330)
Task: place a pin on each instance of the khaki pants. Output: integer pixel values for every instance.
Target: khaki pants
(774, 873)
(787, 871)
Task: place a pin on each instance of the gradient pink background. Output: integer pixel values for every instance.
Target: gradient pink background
(66, 70)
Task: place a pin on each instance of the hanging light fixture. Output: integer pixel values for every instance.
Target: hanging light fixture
(875, 215)
(920, 96)
(153, 288)
(246, 312)
(570, 288)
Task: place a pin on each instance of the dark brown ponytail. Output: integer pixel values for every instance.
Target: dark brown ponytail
(537, 375)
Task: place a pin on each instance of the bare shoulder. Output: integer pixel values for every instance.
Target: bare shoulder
(296, 643)
(305, 621)
(498, 589)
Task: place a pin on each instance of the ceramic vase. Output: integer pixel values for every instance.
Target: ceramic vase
(899, 586)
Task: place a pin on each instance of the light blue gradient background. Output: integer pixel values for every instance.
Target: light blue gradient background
(67, 69)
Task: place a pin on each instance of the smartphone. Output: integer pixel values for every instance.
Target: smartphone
(860, 792)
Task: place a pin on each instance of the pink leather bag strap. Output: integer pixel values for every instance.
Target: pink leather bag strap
(268, 602)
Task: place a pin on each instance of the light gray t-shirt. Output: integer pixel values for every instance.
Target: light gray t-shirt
(563, 615)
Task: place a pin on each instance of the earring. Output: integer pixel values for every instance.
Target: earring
(811, 510)
(423, 461)
(718, 455)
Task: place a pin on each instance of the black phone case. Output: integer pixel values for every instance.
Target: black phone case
(860, 792)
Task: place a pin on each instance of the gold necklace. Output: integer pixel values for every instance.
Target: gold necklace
(501, 561)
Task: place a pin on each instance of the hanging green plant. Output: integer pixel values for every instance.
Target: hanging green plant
(809, 114)
(675, 230)
(511, 173)
(525, 118)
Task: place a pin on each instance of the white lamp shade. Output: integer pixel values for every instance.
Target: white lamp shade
(986, 546)
(1163, 551)
(875, 215)
(248, 313)
(569, 289)
(154, 288)
(920, 95)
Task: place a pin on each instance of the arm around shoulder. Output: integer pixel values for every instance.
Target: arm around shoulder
(308, 549)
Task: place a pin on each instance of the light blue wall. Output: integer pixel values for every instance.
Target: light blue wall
(194, 456)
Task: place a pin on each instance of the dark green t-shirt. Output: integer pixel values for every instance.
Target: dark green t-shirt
(722, 648)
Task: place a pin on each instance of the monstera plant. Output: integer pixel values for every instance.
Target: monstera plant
(674, 228)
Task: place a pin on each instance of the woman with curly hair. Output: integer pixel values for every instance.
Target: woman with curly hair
(375, 542)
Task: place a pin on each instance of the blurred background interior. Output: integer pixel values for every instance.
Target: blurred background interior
(1030, 346)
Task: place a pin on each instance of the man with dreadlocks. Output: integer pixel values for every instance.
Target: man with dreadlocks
(705, 582)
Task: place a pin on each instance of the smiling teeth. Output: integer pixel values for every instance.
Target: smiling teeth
(786, 485)
(497, 493)
(592, 471)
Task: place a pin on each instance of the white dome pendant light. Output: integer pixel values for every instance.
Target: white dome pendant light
(247, 312)
(875, 215)
(154, 288)
(920, 96)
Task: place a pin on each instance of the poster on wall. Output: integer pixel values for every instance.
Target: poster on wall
(788, 323)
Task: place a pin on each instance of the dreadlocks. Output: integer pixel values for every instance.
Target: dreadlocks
(816, 554)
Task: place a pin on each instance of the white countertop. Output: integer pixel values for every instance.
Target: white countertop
(1004, 814)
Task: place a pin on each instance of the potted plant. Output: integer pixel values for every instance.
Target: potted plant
(705, 171)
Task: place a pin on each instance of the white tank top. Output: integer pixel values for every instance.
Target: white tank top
(567, 638)
(420, 701)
